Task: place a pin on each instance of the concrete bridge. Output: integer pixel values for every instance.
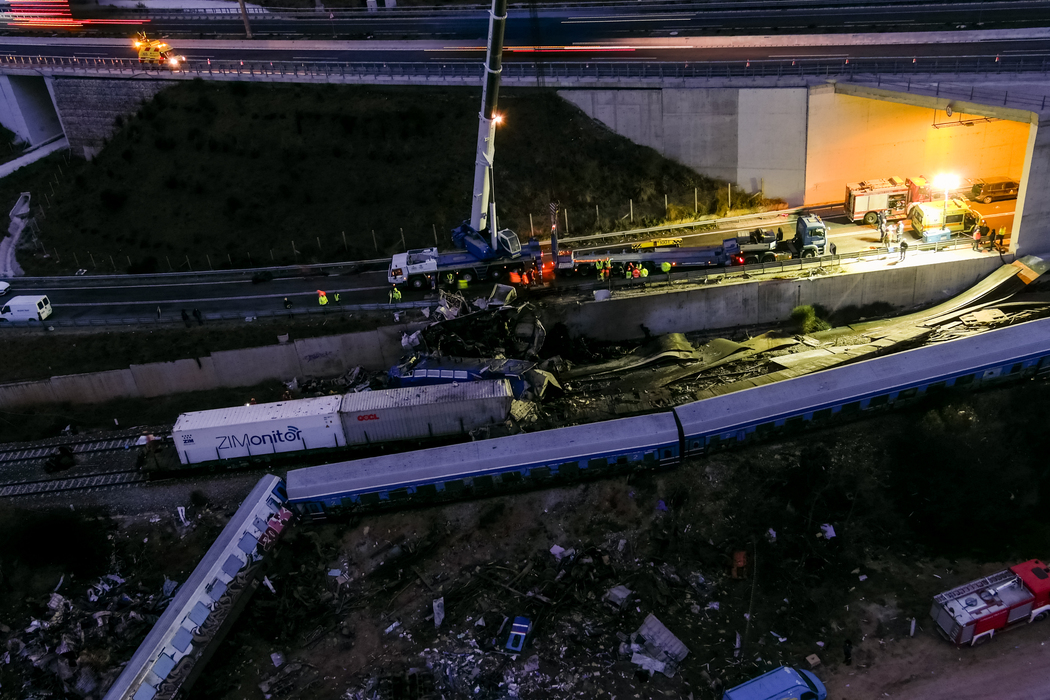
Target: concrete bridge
(794, 128)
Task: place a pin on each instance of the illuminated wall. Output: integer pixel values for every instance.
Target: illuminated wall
(855, 138)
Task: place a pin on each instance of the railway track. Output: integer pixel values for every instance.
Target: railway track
(31, 453)
(85, 482)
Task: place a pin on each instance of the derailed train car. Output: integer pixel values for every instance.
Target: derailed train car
(299, 429)
(663, 439)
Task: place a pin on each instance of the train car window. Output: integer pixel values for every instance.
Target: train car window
(668, 454)
(877, 401)
(964, 380)
(1016, 368)
(907, 394)
(793, 423)
(621, 460)
(936, 387)
(851, 407)
(426, 490)
(764, 429)
(822, 414)
(454, 486)
(484, 483)
(714, 442)
(599, 463)
(398, 494)
(650, 457)
(368, 499)
(569, 469)
(274, 504)
(540, 472)
(510, 477)
(696, 446)
(347, 502)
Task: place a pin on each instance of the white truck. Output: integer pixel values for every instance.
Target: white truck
(26, 308)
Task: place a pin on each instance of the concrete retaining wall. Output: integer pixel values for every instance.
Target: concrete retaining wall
(311, 357)
(755, 137)
(765, 302)
(89, 107)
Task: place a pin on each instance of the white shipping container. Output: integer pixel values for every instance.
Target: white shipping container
(424, 411)
(260, 429)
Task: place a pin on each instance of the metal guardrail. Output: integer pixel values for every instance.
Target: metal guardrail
(170, 321)
(696, 223)
(281, 272)
(869, 69)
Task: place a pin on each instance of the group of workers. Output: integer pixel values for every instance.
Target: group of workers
(630, 271)
(985, 235)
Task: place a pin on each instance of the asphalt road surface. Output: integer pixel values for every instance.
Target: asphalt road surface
(1030, 45)
(86, 301)
(557, 25)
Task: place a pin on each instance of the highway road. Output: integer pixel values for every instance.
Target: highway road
(84, 301)
(554, 25)
(900, 46)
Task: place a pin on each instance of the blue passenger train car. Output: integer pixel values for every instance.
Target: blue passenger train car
(485, 466)
(848, 392)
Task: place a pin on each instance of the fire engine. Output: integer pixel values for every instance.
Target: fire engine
(974, 612)
(864, 200)
(154, 51)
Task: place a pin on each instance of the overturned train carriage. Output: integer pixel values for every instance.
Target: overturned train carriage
(662, 439)
(486, 466)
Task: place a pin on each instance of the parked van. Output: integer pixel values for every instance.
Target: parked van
(26, 309)
(994, 188)
(783, 683)
(956, 216)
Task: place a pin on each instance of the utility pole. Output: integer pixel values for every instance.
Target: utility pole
(482, 211)
(244, 16)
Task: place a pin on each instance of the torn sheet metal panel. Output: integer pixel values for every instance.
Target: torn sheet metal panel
(429, 371)
(654, 632)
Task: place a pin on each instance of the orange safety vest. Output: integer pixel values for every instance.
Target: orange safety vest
(515, 278)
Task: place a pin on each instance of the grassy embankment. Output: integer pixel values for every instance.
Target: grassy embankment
(221, 175)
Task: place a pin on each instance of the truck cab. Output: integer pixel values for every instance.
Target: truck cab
(811, 235)
(782, 683)
(414, 267)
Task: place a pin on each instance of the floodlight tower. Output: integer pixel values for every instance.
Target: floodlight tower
(483, 207)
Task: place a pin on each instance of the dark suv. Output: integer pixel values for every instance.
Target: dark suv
(994, 188)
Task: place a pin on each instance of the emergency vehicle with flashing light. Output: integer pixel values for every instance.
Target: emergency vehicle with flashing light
(156, 52)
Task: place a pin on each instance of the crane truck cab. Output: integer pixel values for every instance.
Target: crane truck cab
(156, 52)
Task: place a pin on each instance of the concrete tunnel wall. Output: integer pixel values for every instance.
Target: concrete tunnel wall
(853, 138)
(755, 137)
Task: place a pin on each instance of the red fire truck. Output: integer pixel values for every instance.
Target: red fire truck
(864, 200)
(974, 612)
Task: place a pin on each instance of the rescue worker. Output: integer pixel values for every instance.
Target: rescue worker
(395, 295)
(450, 280)
(322, 298)
(976, 237)
(1000, 237)
(900, 230)
(598, 268)
(525, 278)
(665, 267)
(287, 304)
(644, 272)
(608, 268)
(514, 277)
(904, 248)
(186, 317)
(336, 297)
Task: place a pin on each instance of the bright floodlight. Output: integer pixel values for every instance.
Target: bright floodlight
(497, 118)
(946, 182)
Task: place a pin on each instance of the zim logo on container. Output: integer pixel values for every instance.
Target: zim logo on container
(369, 416)
(228, 442)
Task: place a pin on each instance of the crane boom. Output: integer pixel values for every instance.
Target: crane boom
(483, 209)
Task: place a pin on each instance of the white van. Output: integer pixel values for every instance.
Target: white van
(26, 309)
